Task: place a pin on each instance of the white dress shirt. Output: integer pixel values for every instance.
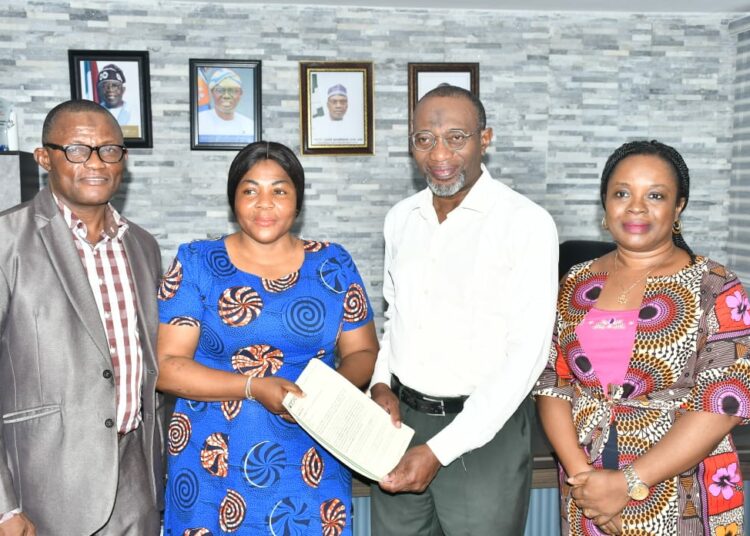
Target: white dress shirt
(471, 303)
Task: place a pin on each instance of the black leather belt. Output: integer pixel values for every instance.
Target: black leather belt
(431, 405)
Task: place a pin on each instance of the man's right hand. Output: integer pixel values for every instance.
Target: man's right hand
(384, 397)
(18, 525)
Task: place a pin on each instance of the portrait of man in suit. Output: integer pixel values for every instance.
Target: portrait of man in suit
(80, 447)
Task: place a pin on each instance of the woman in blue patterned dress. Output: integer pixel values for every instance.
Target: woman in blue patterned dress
(241, 316)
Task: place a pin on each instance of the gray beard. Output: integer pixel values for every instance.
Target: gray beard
(447, 190)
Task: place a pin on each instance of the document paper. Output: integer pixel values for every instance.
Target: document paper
(347, 422)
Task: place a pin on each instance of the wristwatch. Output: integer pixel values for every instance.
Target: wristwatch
(637, 488)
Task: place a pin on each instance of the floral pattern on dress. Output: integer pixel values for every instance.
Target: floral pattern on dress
(690, 354)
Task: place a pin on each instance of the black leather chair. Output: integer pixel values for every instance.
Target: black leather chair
(574, 251)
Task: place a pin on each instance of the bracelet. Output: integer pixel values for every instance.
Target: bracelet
(249, 388)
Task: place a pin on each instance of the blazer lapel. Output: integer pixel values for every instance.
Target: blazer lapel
(145, 295)
(57, 238)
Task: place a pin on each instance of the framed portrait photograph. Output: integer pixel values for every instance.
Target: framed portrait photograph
(224, 104)
(336, 108)
(424, 77)
(119, 81)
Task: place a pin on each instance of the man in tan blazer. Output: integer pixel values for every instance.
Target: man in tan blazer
(80, 447)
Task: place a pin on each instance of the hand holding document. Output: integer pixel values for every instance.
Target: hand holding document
(347, 422)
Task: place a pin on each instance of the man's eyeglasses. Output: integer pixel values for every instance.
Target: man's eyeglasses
(79, 153)
(456, 139)
(231, 91)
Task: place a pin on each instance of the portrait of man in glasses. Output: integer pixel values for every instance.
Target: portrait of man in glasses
(222, 122)
(78, 319)
(470, 282)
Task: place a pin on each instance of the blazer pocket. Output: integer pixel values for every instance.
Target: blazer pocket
(31, 413)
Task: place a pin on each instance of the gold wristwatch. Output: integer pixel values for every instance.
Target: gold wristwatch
(637, 488)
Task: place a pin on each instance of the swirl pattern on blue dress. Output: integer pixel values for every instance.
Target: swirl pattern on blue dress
(232, 511)
(334, 274)
(333, 517)
(305, 316)
(289, 517)
(210, 342)
(219, 263)
(178, 433)
(263, 464)
(355, 304)
(170, 281)
(185, 490)
(238, 306)
(312, 467)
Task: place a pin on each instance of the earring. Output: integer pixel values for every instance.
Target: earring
(677, 227)
(604, 223)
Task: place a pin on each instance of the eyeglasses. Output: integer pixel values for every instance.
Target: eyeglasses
(231, 91)
(456, 139)
(79, 153)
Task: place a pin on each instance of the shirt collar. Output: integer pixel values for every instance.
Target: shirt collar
(114, 224)
(478, 199)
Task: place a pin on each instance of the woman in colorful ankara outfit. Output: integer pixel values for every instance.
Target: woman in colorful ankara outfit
(241, 316)
(649, 368)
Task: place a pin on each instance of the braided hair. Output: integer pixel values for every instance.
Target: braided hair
(667, 154)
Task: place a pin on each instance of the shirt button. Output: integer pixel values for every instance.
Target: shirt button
(111, 350)
(107, 374)
(107, 315)
(101, 282)
(109, 423)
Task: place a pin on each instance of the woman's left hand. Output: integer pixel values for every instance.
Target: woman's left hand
(600, 495)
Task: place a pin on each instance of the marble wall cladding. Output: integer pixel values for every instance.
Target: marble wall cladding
(562, 90)
(738, 247)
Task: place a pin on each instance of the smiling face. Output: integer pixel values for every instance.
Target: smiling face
(111, 92)
(226, 98)
(642, 203)
(91, 184)
(265, 202)
(450, 172)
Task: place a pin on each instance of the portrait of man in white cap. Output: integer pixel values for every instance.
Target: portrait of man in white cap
(222, 123)
(340, 123)
(111, 87)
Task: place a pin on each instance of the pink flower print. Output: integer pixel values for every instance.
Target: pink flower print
(740, 307)
(724, 480)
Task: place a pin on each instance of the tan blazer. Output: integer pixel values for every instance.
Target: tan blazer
(58, 458)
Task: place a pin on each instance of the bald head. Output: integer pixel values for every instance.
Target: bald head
(73, 107)
(446, 90)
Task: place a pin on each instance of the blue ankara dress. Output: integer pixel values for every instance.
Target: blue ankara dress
(234, 467)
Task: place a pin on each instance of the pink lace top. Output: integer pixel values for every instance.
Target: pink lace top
(607, 339)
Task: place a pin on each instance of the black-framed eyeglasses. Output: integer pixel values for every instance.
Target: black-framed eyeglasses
(79, 153)
(231, 91)
(455, 139)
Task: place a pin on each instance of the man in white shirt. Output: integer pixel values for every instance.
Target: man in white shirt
(470, 281)
(223, 123)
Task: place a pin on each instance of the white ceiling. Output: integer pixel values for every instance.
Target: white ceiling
(637, 6)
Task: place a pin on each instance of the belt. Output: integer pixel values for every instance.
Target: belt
(431, 405)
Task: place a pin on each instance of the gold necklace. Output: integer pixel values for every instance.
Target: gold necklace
(622, 299)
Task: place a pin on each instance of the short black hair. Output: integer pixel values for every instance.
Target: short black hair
(447, 90)
(74, 106)
(266, 150)
(668, 154)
